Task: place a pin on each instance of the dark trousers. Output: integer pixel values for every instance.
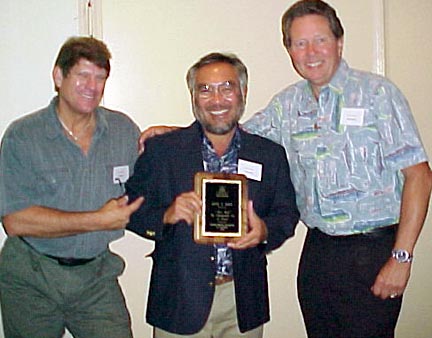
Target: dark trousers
(334, 280)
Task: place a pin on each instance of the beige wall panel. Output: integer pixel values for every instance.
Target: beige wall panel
(409, 65)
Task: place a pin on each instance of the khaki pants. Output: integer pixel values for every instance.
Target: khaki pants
(222, 321)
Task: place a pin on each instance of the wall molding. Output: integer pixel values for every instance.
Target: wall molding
(379, 38)
(90, 18)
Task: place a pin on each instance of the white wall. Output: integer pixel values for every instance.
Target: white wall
(31, 33)
(154, 42)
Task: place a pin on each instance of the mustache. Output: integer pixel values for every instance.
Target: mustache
(217, 106)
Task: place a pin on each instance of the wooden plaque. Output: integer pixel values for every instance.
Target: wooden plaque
(224, 207)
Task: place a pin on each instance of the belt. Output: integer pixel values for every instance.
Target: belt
(222, 279)
(65, 261)
(373, 232)
(378, 232)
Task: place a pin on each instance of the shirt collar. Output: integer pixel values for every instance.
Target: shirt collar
(337, 82)
(54, 128)
(339, 79)
(234, 144)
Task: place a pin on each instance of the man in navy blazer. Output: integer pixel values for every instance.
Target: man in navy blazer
(199, 290)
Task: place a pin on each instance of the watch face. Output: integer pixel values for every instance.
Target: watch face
(402, 256)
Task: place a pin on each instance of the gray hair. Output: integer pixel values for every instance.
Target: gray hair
(217, 58)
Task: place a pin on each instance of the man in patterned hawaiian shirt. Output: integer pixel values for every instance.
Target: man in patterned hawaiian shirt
(361, 177)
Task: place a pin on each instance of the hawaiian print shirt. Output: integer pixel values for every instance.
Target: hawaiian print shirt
(227, 163)
(346, 149)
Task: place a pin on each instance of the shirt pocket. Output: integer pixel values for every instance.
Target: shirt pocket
(54, 180)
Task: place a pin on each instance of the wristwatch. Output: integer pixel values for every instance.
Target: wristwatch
(402, 256)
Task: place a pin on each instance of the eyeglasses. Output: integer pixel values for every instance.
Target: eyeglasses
(317, 42)
(226, 89)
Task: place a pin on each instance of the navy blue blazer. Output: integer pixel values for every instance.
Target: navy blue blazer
(182, 280)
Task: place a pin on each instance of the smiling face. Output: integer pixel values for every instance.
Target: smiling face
(314, 50)
(81, 90)
(217, 101)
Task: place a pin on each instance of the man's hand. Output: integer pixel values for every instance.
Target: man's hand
(257, 232)
(150, 132)
(184, 208)
(115, 213)
(392, 279)
(393, 276)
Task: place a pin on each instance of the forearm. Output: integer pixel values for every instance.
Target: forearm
(38, 221)
(393, 277)
(414, 206)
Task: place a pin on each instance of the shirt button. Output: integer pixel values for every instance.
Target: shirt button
(211, 284)
(212, 258)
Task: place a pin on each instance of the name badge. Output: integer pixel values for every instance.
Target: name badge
(251, 170)
(352, 116)
(120, 174)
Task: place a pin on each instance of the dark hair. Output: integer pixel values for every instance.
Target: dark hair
(216, 58)
(76, 48)
(308, 7)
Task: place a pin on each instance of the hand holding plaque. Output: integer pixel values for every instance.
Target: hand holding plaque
(224, 202)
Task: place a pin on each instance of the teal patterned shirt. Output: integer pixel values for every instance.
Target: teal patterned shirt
(346, 149)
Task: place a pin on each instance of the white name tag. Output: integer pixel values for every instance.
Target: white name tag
(352, 116)
(120, 174)
(251, 170)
